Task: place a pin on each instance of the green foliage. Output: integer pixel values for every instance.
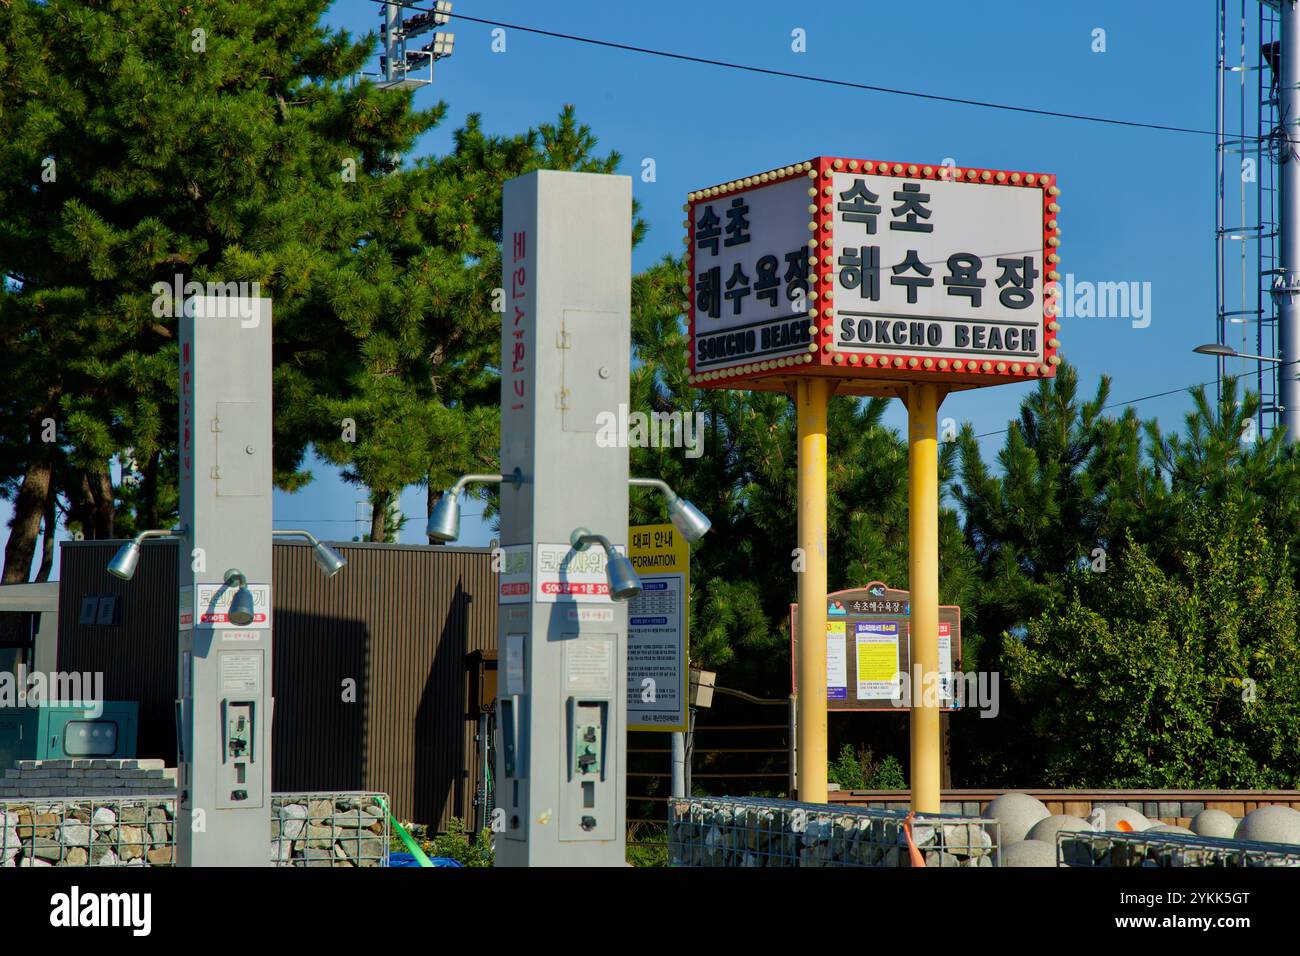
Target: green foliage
(1134, 580)
(856, 769)
(135, 151)
(457, 844)
(140, 147)
(641, 854)
(846, 769)
(413, 361)
(1182, 676)
(647, 845)
(887, 775)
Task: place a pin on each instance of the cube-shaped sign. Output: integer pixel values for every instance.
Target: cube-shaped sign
(877, 272)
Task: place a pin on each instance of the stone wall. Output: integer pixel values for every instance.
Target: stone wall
(344, 830)
(86, 777)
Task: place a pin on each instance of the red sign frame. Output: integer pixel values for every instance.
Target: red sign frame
(878, 372)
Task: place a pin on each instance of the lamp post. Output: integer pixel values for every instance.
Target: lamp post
(1226, 351)
(1222, 352)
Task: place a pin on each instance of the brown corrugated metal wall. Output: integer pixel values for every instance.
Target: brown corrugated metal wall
(369, 678)
(398, 621)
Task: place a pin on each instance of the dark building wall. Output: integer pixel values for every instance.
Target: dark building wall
(137, 655)
(369, 678)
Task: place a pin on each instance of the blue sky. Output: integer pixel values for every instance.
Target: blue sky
(1137, 205)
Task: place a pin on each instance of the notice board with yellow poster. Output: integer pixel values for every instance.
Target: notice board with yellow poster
(658, 629)
(868, 650)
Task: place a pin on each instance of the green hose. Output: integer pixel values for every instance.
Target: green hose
(406, 838)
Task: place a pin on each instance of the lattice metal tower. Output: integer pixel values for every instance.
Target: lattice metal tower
(1250, 282)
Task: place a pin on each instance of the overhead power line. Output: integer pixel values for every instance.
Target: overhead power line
(301, 521)
(1134, 401)
(827, 81)
(866, 87)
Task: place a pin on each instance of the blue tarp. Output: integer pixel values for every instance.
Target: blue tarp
(407, 859)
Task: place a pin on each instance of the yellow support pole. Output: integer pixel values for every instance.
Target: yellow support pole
(812, 397)
(923, 571)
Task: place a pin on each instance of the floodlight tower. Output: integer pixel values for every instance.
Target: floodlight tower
(398, 65)
(1258, 205)
(1287, 287)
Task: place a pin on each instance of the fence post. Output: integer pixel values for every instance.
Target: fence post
(679, 765)
(690, 751)
(794, 746)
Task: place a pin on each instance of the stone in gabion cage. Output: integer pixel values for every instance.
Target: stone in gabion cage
(751, 832)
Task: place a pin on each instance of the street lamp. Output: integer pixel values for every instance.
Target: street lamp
(1227, 351)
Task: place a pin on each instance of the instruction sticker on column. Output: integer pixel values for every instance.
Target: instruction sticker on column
(837, 664)
(589, 664)
(241, 672)
(515, 664)
(877, 652)
(945, 665)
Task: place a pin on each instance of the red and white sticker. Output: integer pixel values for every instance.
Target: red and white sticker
(515, 574)
(185, 608)
(568, 576)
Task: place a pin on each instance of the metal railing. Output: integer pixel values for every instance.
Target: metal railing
(734, 755)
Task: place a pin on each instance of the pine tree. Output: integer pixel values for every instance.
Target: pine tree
(414, 367)
(148, 143)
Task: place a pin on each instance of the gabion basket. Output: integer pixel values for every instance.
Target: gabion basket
(1086, 848)
(754, 831)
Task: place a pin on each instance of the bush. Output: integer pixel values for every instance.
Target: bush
(457, 845)
(856, 770)
(886, 775)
